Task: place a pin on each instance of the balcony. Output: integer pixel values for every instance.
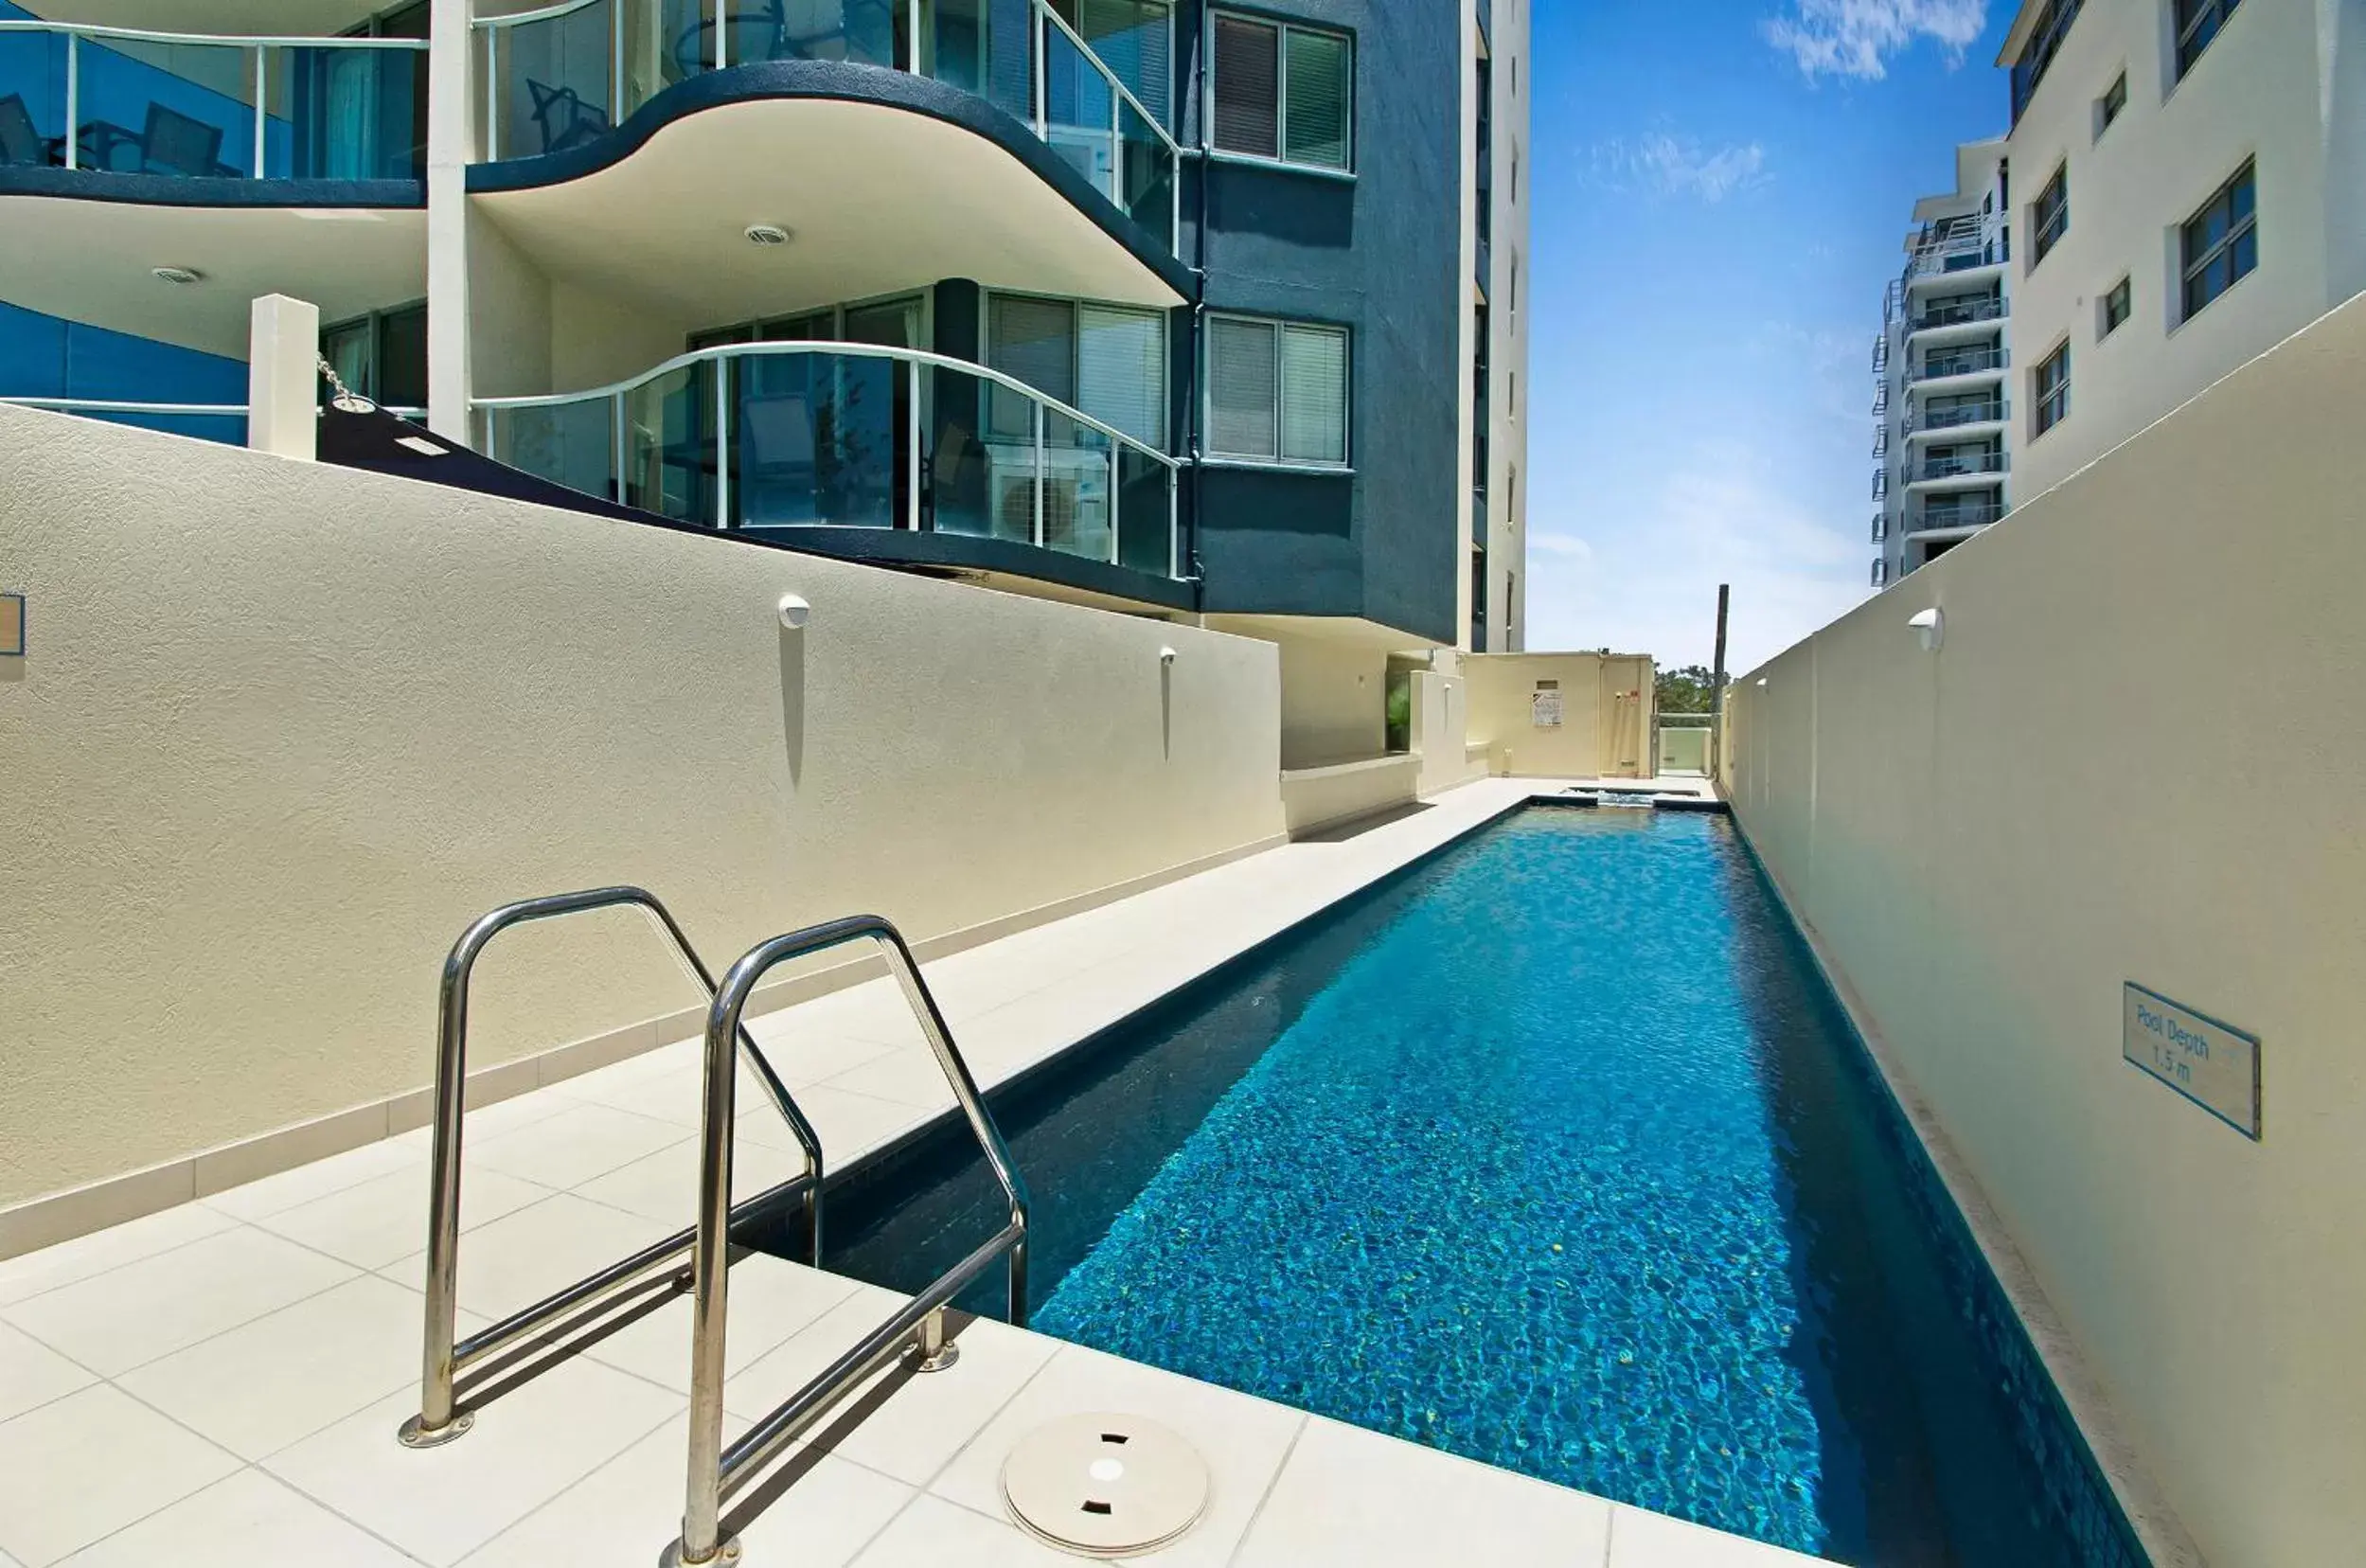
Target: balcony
(1881, 351)
(1922, 419)
(172, 107)
(1947, 313)
(560, 79)
(1880, 482)
(1985, 360)
(154, 183)
(1960, 247)
(1881, 527)
(864, 450)
(1939, 468)
(1972, 513)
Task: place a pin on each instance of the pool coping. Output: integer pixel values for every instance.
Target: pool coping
(2143, 1502)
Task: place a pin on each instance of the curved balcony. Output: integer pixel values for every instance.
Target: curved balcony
(1924, 421)
(987, 134)
(1974, 468)
(869, 452)
(128, 115)
(1951, 521)
(1958, 364)
(1946, 316)
(154, 183)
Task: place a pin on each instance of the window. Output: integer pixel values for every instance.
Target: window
(383, 355)
(2221, 242)
(1134, 39)
(2045, 41)
(1283, 92)
(2054, 388)
(1105, 360)
(1880, 572)
(2197, 23)
(1515, 181)
(2051, 216)
(1277, 391)
(1515, 286)
(2115, 308)
(2108, 106)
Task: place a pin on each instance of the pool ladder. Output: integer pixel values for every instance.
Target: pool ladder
(715, 1470)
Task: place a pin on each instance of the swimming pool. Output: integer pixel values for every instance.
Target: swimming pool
(1553, 1152)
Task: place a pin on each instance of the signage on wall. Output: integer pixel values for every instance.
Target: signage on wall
(12, 626)
(1544, 706)
(2213, 1064)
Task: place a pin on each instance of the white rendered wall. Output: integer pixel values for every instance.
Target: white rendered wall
(286, 728)
(2135, 757)
(2280, 85)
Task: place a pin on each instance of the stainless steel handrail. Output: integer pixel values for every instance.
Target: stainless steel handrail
(716, 1471)
(780, 346)
(442, 1359)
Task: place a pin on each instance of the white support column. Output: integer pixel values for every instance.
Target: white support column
(283, 377)
(451, 144)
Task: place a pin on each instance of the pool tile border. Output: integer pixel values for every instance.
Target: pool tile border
(2114, 1505)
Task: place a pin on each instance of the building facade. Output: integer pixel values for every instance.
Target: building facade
(1148, 305)
(2189, 174)
(1941, 372)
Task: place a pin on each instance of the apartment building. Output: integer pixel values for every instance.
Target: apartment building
(1941, 369)
(2189, 174)
(1179, 308)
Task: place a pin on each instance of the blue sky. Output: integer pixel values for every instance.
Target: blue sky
(1715, 205)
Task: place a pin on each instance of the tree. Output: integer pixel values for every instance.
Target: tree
(1684, 690)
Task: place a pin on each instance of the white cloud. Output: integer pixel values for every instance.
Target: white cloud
(1651, 586)
(1671, 166)
(1560, 544)
(1855, 38)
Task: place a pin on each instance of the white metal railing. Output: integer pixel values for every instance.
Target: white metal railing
(1105, 131)
(717, 437)
(1938, 366)
(1966, 466)
(233, 96)
(1959, 247)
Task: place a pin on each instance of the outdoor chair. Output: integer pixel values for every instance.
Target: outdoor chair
(174, 143)
(564, 120)
(21, 141)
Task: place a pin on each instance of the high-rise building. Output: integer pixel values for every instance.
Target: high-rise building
(1940, 372)
(1177, 309)
(2192, 175)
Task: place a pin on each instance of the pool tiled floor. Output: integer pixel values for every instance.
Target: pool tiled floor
(222, 1382)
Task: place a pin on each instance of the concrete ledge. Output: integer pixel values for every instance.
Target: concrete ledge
(61, 1216)
(1338, 791)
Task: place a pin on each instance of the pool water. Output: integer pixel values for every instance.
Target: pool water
(1554, 1153)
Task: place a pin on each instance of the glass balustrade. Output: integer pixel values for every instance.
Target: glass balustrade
(773, 434)
(205, 108)
(563, 76)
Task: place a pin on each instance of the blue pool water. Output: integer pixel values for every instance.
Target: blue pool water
(1554, 1153)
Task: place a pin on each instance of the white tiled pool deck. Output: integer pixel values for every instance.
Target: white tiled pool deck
(221, 1383)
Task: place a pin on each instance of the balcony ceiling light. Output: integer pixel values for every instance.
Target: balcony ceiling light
(178, 274)
(766, 234)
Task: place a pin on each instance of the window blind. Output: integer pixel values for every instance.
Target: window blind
(1121, 370)
(1241, 382)
(1247, 87)
(1316, 100)
(1034, 340)
(1314, 395)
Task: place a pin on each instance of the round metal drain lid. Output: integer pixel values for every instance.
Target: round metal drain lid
(1105, 1485)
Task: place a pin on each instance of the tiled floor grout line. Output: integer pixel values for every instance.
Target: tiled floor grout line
(1271, 1482)
(113, 1268)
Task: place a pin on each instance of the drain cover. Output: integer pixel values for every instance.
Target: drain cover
(1105, 1485)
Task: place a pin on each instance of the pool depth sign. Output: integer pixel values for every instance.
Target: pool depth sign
(2213, 1064)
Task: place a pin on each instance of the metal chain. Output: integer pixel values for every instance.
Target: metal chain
(346, 400)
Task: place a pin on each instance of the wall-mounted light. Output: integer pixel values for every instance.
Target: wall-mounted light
(794, 612)
(1929, 629)
(1166, 656)
(1762, 680)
